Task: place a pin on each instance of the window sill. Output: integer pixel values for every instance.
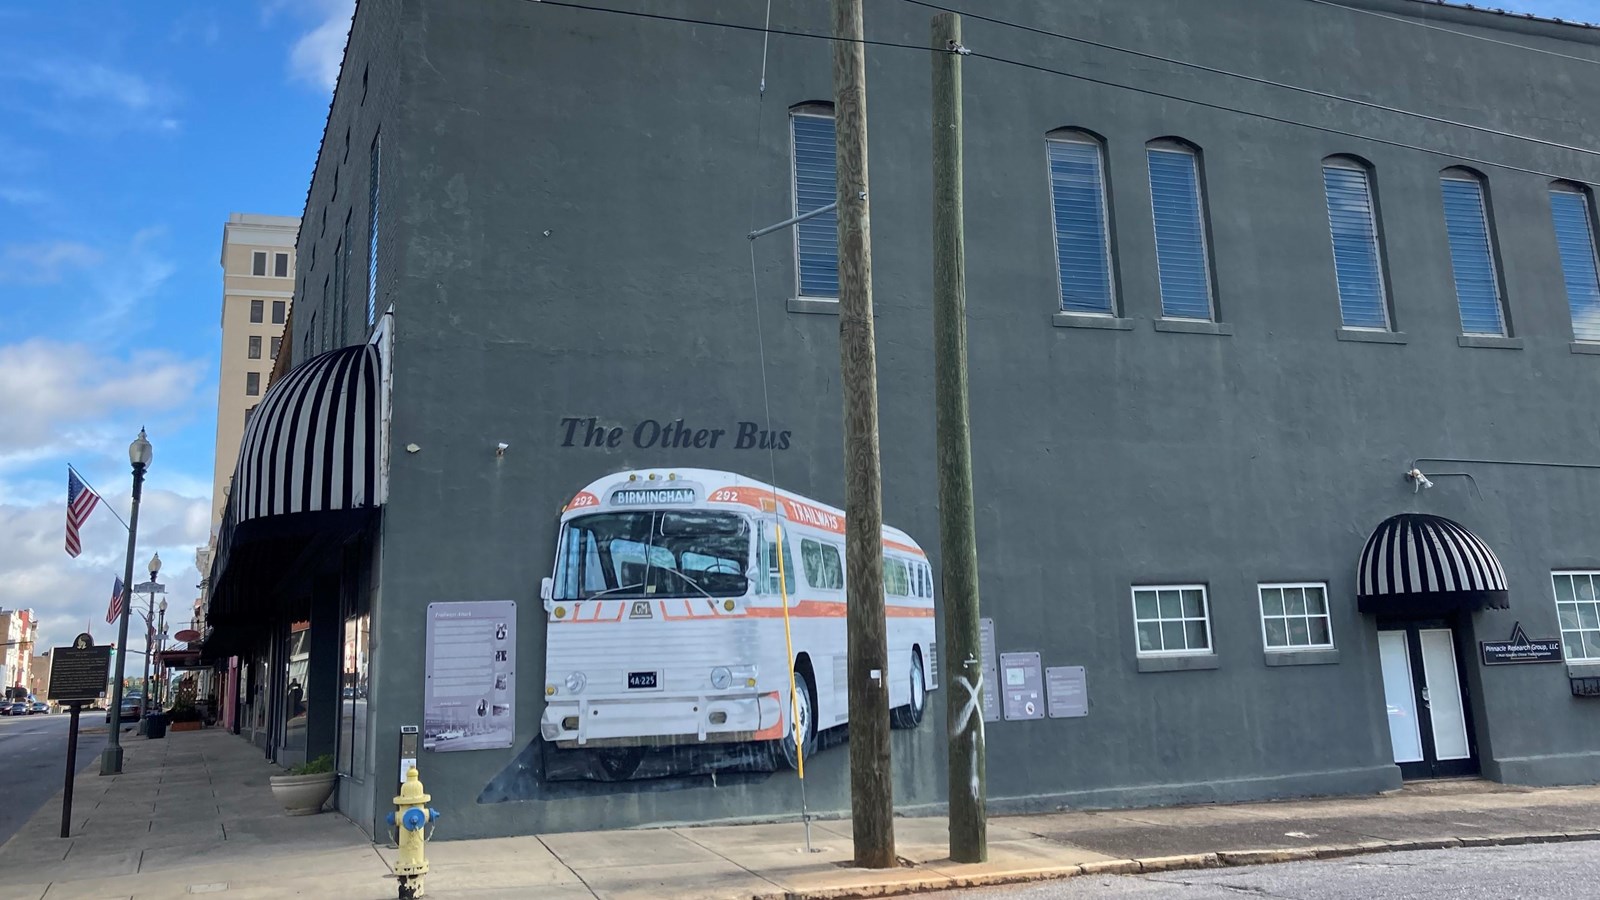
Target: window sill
(1187, 663)
(1193, 326)
(1371, 337)
(1583, 670)
(1490, 340)
(1301, 657)
(1585, 347)
(1084, 320)
(815, 305)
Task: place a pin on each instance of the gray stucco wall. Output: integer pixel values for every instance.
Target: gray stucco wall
(570, 193)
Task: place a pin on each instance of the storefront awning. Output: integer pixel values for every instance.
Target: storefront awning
(1415, 564)
(311, 471)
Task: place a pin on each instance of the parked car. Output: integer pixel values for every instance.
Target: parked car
(40, 707)
(13, 707)
(132, 707)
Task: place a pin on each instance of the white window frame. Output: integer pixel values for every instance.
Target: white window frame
(266, 264)
(1594, 575)
(1205, 599)
(1327, 613)
(288, 267)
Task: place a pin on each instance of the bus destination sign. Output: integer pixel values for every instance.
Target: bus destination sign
(652, 497)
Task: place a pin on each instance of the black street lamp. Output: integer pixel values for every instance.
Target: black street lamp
(139, 454)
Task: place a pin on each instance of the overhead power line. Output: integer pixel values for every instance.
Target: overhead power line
(1253, 79)
(1089, 79)
(1463, 34)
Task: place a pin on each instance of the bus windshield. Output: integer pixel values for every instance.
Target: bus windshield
(655, 554)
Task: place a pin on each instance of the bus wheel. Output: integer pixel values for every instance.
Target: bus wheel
(910, 715)
(806, 695)
(619, 763)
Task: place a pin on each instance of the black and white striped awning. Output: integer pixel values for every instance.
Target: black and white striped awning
(1415, 564)
(313, 444)
(311, 473)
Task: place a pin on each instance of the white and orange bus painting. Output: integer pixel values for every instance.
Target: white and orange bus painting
(668, 624)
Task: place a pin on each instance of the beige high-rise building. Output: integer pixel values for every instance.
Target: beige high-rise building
(257, 287)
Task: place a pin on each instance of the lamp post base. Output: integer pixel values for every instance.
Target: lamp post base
(111, 760)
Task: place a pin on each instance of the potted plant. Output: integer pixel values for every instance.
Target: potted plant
(306, 787)
(184, 717)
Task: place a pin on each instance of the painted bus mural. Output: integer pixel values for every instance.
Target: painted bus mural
(672, 628)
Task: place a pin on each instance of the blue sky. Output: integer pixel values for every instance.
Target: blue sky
(128, 132)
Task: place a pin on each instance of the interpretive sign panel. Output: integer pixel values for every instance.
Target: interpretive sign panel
(79, 672)
(991, 670)
(1067, 691)
(470, 699)
(1022, 685)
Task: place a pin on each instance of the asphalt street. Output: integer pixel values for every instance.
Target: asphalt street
(1547, 871)
(33, 756)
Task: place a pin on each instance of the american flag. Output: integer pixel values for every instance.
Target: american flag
(115, 609)
(81, 500)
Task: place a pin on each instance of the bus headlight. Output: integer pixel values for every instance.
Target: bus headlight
(576, 681)
(721, 677)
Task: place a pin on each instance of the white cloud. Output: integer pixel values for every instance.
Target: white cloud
(67, 594)
(44, 262)
(141, 272)
(55, 397)
(315, 57)
(79, 96)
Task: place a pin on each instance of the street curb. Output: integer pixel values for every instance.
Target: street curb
(1221, 858)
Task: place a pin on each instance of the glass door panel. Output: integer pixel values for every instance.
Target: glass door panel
(1399, 695)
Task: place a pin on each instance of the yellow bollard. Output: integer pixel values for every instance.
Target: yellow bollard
(411, 819)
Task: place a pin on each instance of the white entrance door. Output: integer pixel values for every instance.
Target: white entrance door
(1426, 707)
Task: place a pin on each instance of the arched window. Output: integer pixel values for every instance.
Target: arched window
(1082, 224)
(1570, 206)
(1178, 205)
(1472, 256)
(1357, 258)
(816, 240)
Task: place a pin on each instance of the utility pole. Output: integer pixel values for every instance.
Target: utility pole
(958, 541)
(871, 790)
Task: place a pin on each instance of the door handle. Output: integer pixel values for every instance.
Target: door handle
(1426, 700)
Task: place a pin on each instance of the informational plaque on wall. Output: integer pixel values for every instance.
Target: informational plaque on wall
(1024, 685)
(1066, 691)
(991, 671)
(471, 660)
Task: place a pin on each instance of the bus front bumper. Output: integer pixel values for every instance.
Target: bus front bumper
(659, 720)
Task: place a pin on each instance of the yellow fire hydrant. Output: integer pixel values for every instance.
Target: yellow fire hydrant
(411, 819)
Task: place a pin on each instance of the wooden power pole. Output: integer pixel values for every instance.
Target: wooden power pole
(871, 790)
(958, 543)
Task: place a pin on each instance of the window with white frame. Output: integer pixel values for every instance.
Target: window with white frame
(1172, 619)
(1578, 609)
(258, 262)
(1294, 616)
(815, 175)
(1357, 260)
(280, 265)
(1082, 225)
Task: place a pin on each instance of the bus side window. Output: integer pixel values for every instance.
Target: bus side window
(895, 581)
(824, 571)
(832, 568)
(769, 563)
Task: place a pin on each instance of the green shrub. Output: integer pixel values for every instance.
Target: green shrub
(322, 765)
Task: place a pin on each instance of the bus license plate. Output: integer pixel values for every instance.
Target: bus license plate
(643, 681)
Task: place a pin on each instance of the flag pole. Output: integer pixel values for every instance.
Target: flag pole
(96, 490)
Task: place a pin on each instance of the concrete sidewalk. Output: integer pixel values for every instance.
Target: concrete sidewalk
(193, 815)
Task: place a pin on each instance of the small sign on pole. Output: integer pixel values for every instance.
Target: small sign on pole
(77, 675)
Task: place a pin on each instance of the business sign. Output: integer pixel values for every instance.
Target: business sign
(79, 672)
(991, 670)
(1520, 649)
